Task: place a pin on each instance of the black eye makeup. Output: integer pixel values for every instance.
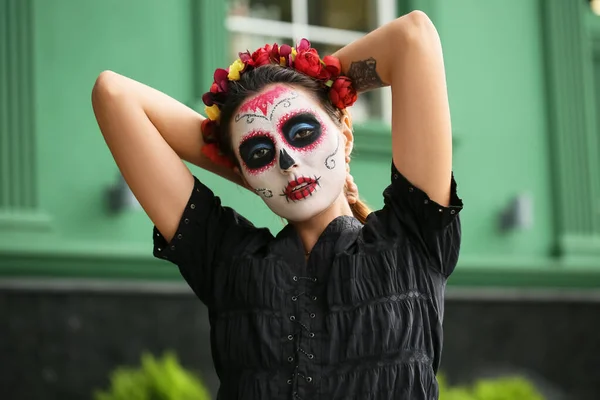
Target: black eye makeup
(257, 152)
(300, 130)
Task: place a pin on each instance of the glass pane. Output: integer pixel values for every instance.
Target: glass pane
(368, 106)
(354, 15)
(278, 10)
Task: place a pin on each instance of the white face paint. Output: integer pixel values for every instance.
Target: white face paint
(290, 152)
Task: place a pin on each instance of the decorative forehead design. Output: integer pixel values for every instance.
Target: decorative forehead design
(259, 106)
(261, 102)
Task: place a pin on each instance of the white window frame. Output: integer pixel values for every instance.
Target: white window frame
(300, 28)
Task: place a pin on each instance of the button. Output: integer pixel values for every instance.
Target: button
(312, 315)
(308, 379)
(179, 236)
(441, 210)
(187, 220)
(290, 359)
(290, 337)
(173, 247)
(395, 176)
(159, 249)
(426, 201)
(410, 189)
(453, 212)
(192, 206)
(292, 318)
(312, 334)
(158, 234)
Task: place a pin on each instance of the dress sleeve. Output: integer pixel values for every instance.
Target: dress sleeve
(207, 232)
(434, 228)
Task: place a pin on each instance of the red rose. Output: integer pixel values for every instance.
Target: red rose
(212, 152)
(332, 65)
(342, 94)
(209, 130)
(262, 56)
(308, 62)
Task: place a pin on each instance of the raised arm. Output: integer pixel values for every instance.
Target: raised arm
(407, 54)
(149, 133)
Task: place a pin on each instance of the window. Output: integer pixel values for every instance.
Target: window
(328, 24)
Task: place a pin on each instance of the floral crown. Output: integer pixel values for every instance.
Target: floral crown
(301, 58)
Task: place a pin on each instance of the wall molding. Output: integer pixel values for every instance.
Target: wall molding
(97, 261)
(571, 113)
(19, 202)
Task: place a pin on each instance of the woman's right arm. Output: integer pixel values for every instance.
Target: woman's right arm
(149, 134)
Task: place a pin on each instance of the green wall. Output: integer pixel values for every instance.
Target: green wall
(497, 76)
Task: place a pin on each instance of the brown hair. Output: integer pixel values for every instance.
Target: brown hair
(255, 80)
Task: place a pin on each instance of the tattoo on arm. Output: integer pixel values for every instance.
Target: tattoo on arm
(364, 75)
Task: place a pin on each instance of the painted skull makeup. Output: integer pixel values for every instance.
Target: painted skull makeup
(290, 151)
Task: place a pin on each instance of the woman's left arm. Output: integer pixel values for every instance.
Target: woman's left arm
(407, 55)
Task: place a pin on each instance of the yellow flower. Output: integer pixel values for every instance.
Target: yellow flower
(235, 69)
(282, 61)
(213, 112)
(294, 52)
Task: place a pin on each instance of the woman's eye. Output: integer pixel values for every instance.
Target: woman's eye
(260, 153)
(302, 130)
(303, 134)
(257, 152)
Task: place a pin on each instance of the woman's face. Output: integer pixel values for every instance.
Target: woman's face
(290, 152)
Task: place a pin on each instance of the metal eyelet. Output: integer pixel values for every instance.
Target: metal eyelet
(294, 298)
(295, 278)
(290, 337)
(314, 298)
(308, 379)
(311, 356)
(312, 334)
(289, 381)
(292, 318)
(312, 315)
(290, 359)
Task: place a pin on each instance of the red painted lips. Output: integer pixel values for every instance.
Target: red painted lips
(301, 188)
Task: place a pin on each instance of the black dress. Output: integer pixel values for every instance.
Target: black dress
(361, 319)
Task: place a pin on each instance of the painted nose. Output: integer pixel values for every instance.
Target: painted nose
(285, 160)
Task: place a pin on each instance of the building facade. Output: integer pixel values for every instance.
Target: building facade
(78, 285)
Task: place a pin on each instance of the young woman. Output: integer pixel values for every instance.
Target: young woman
(342, 303)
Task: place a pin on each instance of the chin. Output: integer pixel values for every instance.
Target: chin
(300, 211)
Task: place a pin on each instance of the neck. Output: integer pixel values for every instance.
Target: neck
(310, 230)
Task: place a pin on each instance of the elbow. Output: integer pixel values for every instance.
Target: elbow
(106, 87)
(415, 29)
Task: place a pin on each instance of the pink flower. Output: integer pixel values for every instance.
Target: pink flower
(303, 45)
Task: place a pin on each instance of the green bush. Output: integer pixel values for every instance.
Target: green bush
(506, 388)
(156, 379)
